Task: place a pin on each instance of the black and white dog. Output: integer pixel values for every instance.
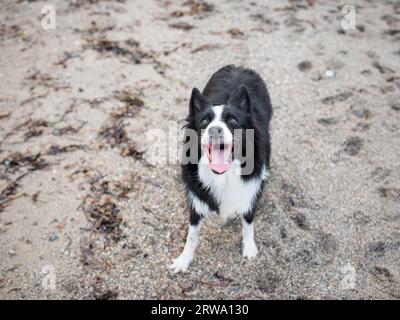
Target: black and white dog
(229, 157)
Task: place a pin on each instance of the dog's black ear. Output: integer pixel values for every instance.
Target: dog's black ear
(241, 99)
(198, 102)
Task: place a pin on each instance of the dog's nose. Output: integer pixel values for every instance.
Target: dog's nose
(215, 131)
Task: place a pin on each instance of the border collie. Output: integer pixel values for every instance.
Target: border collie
(229, 155)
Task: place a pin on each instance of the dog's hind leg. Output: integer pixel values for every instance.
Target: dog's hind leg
(182, 263)
(249, 246)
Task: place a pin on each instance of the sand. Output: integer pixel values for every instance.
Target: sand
(86, 212)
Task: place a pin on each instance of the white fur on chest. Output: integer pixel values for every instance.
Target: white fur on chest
(233, 195)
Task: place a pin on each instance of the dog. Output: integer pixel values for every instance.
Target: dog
(217, 178)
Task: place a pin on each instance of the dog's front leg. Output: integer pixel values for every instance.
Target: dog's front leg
(249, 246)
(182, 263)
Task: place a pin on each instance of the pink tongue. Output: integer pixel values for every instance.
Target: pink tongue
(219, 160)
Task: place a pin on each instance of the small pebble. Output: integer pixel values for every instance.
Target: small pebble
(304, 65)
(395, 106)
(53, 237)
(329, 73)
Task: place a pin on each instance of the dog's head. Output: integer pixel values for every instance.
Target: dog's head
(217, 126)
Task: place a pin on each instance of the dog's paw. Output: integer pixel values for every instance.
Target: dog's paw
(180, 264)
(250, 251)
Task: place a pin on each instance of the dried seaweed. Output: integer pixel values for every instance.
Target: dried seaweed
(101, 291)
(7, 201)
(113, 129)
(43, 78)
(9, 32)
(9, 190)
(205, 47)
(76, 4)
(128, 98)
(9, 193)
(67, 130)
(35, 196)
(181, 25)
(129, 49)
(337, 98)
(392, 32)
(87, 247)
(128, 111)
(195, 8)
(5, 115)
(33, 98)
(382, 69)
(132, 106)
(55, 149)
(236, 32)
(35, 129)
(113, 132)
(131, 151)
(63, 116)
(103, 213)
(65, 58)
(17, 160)
(100, 207)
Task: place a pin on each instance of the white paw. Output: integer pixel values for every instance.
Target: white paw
(180, 264)
(250, 250)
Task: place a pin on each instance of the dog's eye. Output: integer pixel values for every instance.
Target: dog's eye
(232, 120)
(204, 122)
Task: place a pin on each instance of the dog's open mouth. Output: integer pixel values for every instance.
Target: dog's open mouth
(219, 156)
